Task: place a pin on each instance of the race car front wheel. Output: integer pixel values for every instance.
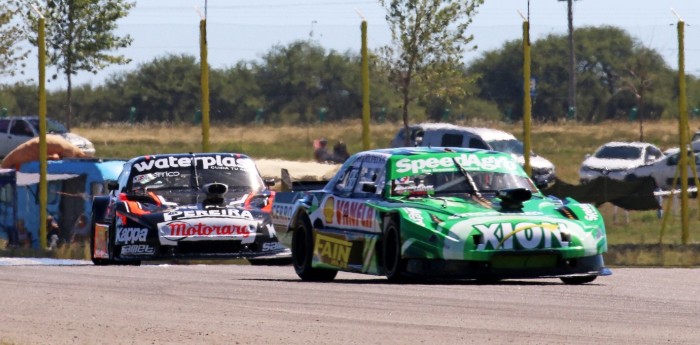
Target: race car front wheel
(302, 254)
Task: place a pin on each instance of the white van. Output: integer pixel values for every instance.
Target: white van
(449, 135)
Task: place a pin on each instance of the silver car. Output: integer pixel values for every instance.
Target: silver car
(616, 159)
(664, 170)
(15, 130)
(449, 135)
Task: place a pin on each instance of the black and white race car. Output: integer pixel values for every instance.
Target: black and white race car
(192, 206)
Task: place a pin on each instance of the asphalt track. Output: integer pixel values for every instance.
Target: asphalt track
(240, 304)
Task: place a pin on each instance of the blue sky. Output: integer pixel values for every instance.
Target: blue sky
(245, 30)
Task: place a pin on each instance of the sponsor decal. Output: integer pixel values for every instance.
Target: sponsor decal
(206, 162)
(201, 229)
(138, 249)
(266, 247)
(203, 213)
(469, 161)
(333, 251)
(131, 235)
(411, 189)
(589, 211)
(271, 230)
(348, 213)
(145, 178)
(329, 210)
(522, 235)
(282, 211)
(101, 241)
(415, 216)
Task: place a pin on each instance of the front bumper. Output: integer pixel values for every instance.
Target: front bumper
(213, 250)
(540, 265)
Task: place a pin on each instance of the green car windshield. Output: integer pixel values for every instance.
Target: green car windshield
(441, 174)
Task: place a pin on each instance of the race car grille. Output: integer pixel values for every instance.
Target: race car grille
(525, 261)
(208, 247)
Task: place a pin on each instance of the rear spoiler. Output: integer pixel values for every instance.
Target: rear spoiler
(288, 185)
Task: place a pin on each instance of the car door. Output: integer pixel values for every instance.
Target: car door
(351, 229)
(20, 132)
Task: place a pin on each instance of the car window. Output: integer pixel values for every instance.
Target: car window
(477, 143)
(508, 146)
(619, 152)
(123, 178)
(52, 126)
(417, 136)
(4, 125)
(346, 183)
(21, 128)
(345, 179)
(652, 154)
(371, 171)
(452, 140)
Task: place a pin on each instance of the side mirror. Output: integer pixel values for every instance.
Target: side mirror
(269, 182)
(112, 185)
(369, 187)
(588, 155)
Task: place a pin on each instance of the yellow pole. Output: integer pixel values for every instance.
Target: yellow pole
(683, 133)
(204, 87)
(43, 165)
(365, 88)
(527, 105)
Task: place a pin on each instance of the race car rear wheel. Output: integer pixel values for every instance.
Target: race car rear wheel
(394, 264)
(302, 254)
(578, 280)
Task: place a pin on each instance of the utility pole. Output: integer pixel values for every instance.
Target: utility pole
(572, 61)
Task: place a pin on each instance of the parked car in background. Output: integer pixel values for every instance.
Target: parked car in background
(15, 130)
(664, 170)
(449, 135)
(616, 159)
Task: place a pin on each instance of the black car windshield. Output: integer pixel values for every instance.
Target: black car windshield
(52, 126)
(619, 152)
(182, 184)
(456, 183)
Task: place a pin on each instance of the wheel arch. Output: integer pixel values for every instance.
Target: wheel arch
(99, 208)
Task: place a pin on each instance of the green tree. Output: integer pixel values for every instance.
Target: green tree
(428, 41)
(607, 58)
(164, 89)
(79, 36)
(300, 79)
(11, 34)
(235, 95)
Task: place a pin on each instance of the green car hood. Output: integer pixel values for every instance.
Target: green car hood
(475, 227)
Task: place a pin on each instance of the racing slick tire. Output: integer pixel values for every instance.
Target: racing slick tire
(578, 280)
(302, 254)
(394, 264)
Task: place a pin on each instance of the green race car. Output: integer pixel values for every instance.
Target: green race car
(423, 212)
